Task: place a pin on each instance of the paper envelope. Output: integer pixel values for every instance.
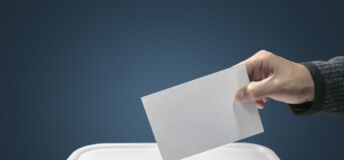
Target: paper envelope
(201, 114)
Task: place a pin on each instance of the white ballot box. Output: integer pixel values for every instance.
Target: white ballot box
(150, 151)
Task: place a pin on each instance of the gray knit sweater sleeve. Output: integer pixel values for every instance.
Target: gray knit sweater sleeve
(328, 77)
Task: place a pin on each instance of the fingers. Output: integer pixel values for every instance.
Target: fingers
(259, 71)
(258, 65)
(255, 91)
(249, 64)
(260, 104)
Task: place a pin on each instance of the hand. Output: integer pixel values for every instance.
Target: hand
(277, 78)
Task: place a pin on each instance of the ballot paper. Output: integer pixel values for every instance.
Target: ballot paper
(201, 114)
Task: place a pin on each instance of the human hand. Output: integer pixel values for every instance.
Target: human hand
(277, 78)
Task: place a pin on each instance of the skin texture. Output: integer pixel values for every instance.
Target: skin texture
(277, 78)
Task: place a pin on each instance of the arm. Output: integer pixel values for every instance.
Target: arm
(328, 77)
(308, 88)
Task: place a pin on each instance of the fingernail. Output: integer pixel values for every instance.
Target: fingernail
(240, 96)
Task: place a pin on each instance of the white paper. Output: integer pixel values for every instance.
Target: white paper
(201, 114)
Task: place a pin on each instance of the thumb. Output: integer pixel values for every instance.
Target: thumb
(254, 91)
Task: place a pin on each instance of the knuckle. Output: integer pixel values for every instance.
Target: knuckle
(262, 51)
(251, 92)
(265, 54)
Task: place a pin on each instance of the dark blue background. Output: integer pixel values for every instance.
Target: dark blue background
(73, 72)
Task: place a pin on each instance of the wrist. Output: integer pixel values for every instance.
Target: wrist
(308, 88)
